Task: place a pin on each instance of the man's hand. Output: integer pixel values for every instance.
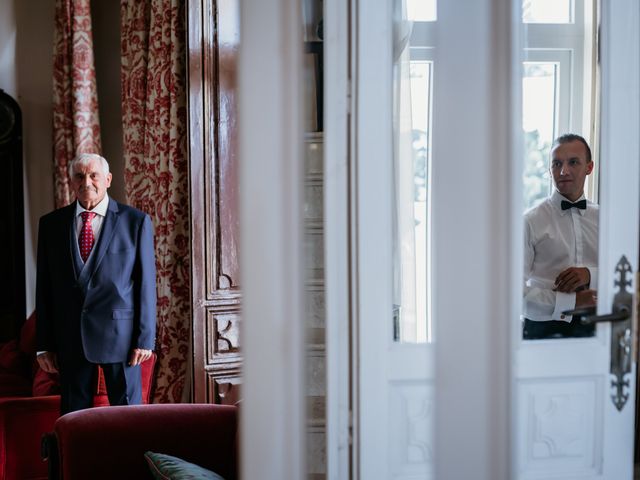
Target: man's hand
(48, 362)
(139, 355)
(586, 298)
(572, 279)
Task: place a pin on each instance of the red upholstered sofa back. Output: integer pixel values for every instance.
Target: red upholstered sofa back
(108, 443)
(20, 375)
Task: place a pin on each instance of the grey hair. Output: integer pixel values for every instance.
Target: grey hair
(84, 159)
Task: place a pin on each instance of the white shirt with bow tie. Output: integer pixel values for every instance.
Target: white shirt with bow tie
(554, 240)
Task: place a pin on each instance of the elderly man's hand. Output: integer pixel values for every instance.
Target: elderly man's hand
(139, 355)
(571, 279)
(48, 362)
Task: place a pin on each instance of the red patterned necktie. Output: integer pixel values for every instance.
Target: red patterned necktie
(86, 235)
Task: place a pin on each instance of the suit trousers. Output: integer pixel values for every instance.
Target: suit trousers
(533, 330)
(77, 384)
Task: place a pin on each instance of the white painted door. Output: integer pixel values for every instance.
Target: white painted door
(399, 400)
(442, 409)
(394, 399)
(567, 424)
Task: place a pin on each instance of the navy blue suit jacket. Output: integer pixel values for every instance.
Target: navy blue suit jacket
(108, 307)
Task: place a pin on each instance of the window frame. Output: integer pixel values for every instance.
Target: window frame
(573, 46)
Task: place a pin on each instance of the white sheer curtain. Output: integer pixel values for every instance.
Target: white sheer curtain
(404, 245)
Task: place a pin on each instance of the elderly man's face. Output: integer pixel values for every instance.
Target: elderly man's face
(569, 169)
(90, 183)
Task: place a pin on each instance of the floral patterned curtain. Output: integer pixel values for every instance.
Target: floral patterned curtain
(76, 126)
(156, 169)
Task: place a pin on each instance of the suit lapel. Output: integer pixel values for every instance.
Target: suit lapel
(108, 229)
(73, 239)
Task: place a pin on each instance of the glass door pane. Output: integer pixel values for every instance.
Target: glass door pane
(547, 11)
(539, 107)
(422, 10)
(413, 71)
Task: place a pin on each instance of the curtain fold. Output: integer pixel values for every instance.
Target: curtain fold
(404, 242)
(156, 170)
(76, 125)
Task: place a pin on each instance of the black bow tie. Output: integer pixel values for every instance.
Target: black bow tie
(582, 205)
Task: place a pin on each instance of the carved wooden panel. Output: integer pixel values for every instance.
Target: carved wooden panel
(221, 42)
(225, 389)
(228, 44)
(560, 427)
(213, 28)
(223, 335)
(411, 452)
(224, 361)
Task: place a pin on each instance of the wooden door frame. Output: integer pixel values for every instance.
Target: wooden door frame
(337, 251)
(212, 45)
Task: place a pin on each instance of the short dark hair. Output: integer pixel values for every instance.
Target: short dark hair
(572, 137)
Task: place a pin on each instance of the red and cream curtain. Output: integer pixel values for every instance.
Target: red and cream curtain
(156, 170)
(76, 126)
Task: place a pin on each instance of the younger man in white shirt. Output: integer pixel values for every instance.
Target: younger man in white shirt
(561, 247)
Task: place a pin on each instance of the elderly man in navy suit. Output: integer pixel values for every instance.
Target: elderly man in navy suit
(95, 290)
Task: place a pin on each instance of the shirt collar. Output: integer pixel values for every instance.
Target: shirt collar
(100, 208)
(557, 199)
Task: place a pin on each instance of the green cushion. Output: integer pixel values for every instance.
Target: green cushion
(166, 467)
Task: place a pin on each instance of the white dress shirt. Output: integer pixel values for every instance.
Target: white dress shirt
(554, 240)
(96, 224)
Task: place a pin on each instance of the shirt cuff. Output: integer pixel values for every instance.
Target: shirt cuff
(564, 301)
(40, 353)
(593, 282)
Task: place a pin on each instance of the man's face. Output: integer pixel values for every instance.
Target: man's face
(90, 184)
(569, 169)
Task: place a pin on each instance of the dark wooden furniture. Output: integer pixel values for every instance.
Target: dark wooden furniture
(213, 42)
(108, 443)
(12, 258)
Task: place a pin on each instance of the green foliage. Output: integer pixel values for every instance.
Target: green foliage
(536, 180)
(420, 165)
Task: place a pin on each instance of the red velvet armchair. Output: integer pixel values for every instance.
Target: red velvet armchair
(30, 405)
(108, 443)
